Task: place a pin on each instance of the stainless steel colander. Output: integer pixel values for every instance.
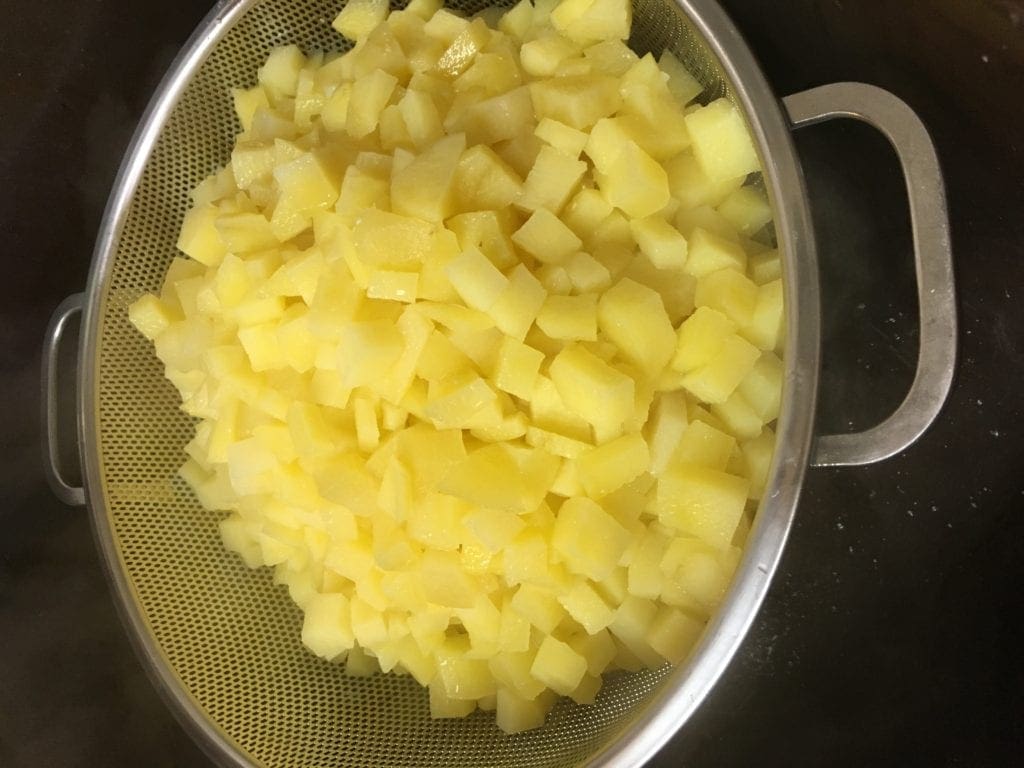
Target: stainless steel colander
(221, 641)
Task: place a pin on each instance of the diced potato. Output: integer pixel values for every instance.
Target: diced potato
(765, 328)
(660, 242)
(589, 21)
(721, 142)
(280, 74)
(701, 337)
(554, 178)
(517, 306)
(425, 187)
(484, 181)
(558, 666)
(701, 502)
(682, 84)
(569, 317)
(717, 379)
(517, 367)
(709, 253)
(635, 182)
(546, 238)
(608, 467)
(359, 17)
(562, 137)
(150, 316)
(733, 294)
(633, 317)
(762, 387)
(747, 209)
(593, 390)
(578, 101)
(476, 279)
(588, 539)
(327, 626)
(765, 267)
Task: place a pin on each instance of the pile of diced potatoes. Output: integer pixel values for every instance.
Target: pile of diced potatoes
(482, 348)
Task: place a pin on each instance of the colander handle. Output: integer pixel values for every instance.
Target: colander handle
(933, 263)
(69, 494)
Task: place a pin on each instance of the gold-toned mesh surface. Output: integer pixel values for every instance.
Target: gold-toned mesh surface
(230, 634)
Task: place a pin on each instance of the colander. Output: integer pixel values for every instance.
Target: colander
(222, 642)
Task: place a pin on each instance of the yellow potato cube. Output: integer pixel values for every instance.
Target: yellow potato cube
(665, 428)
(494, 527)
(499, 118)
(546, 238)
(485, 182)
(598, 649)
(608, 467)
(369, 96)
(697, 575)
(739, 416)
(516, 368)
(554, 178)
(747, 209)
(692, 187)
(251, 162)
(421, 118)
(683, 86)
(334, 115)
(721, 141)
(734, 295)
(586, 273)
(660, 242)
(673, 633)
(569, 317)
(634, 182)
(716, 380)
(359, 17)
(246, 101)
(200, 235)
(631, 625)
(593, 390)
(644, 576)
(542, 56)
(591, 21)
(261, 345)
(762, 387)
(585, 212)
(444, 580)
(700, 338)
(279, 75)
(765, 267)
(150, 316)
(515, 713)
(443, 707)
(578, 101)
(558, 666)
(460, 403)
(588, 539)
(307, 184)
(367, 351)
(633, 317)
(704, 445)
(757, 459)
(701, 502)
(767, 319)
(463, 48)
(539, 606)
(425, 187)
(477, 281)
(560, 136)
(327, 626)
(490, 231)
(393, 286)
(709, 253)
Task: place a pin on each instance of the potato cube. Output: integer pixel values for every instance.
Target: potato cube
(327, 626)
(539, 606)
(765, 328)
(660, 242)
(666, 428)
(709, 253)
(586, 211)
(644, 576)
(558, 666)
(704, 445)
(516, 308)
(634, 182)
(588, 539)
(586, 273)
(692, 187)
(359, 17)
(443, 707)
(673, 633)
(591, 21)
(701, 502)
(765, 267)
(369, 95)
(569, 317)
(697, 574)
(477, 281)
(495, 528)
(578, 101)
(757, 459)
(747, 209)
(150, 316)
(425, 187)
(499, 118)
(279, 75)
(560, 136)
(367, 351)
(721, 141)
(247, 101)
(739, 416)
(546, 238)
(593, 390)
(701, 337)
(553, 179)
(392, 286)
(633, 317)
(714, 381)
(200, 236)
(484, 182)
(542, 56)
(683, 86)
(631, 625)
(732, 293)
(762, 387)
(494, 477)
(515, 713)
(608, 467)
(463, 48)
(517, 367)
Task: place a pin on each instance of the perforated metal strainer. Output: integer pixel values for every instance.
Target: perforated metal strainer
(221, 641)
